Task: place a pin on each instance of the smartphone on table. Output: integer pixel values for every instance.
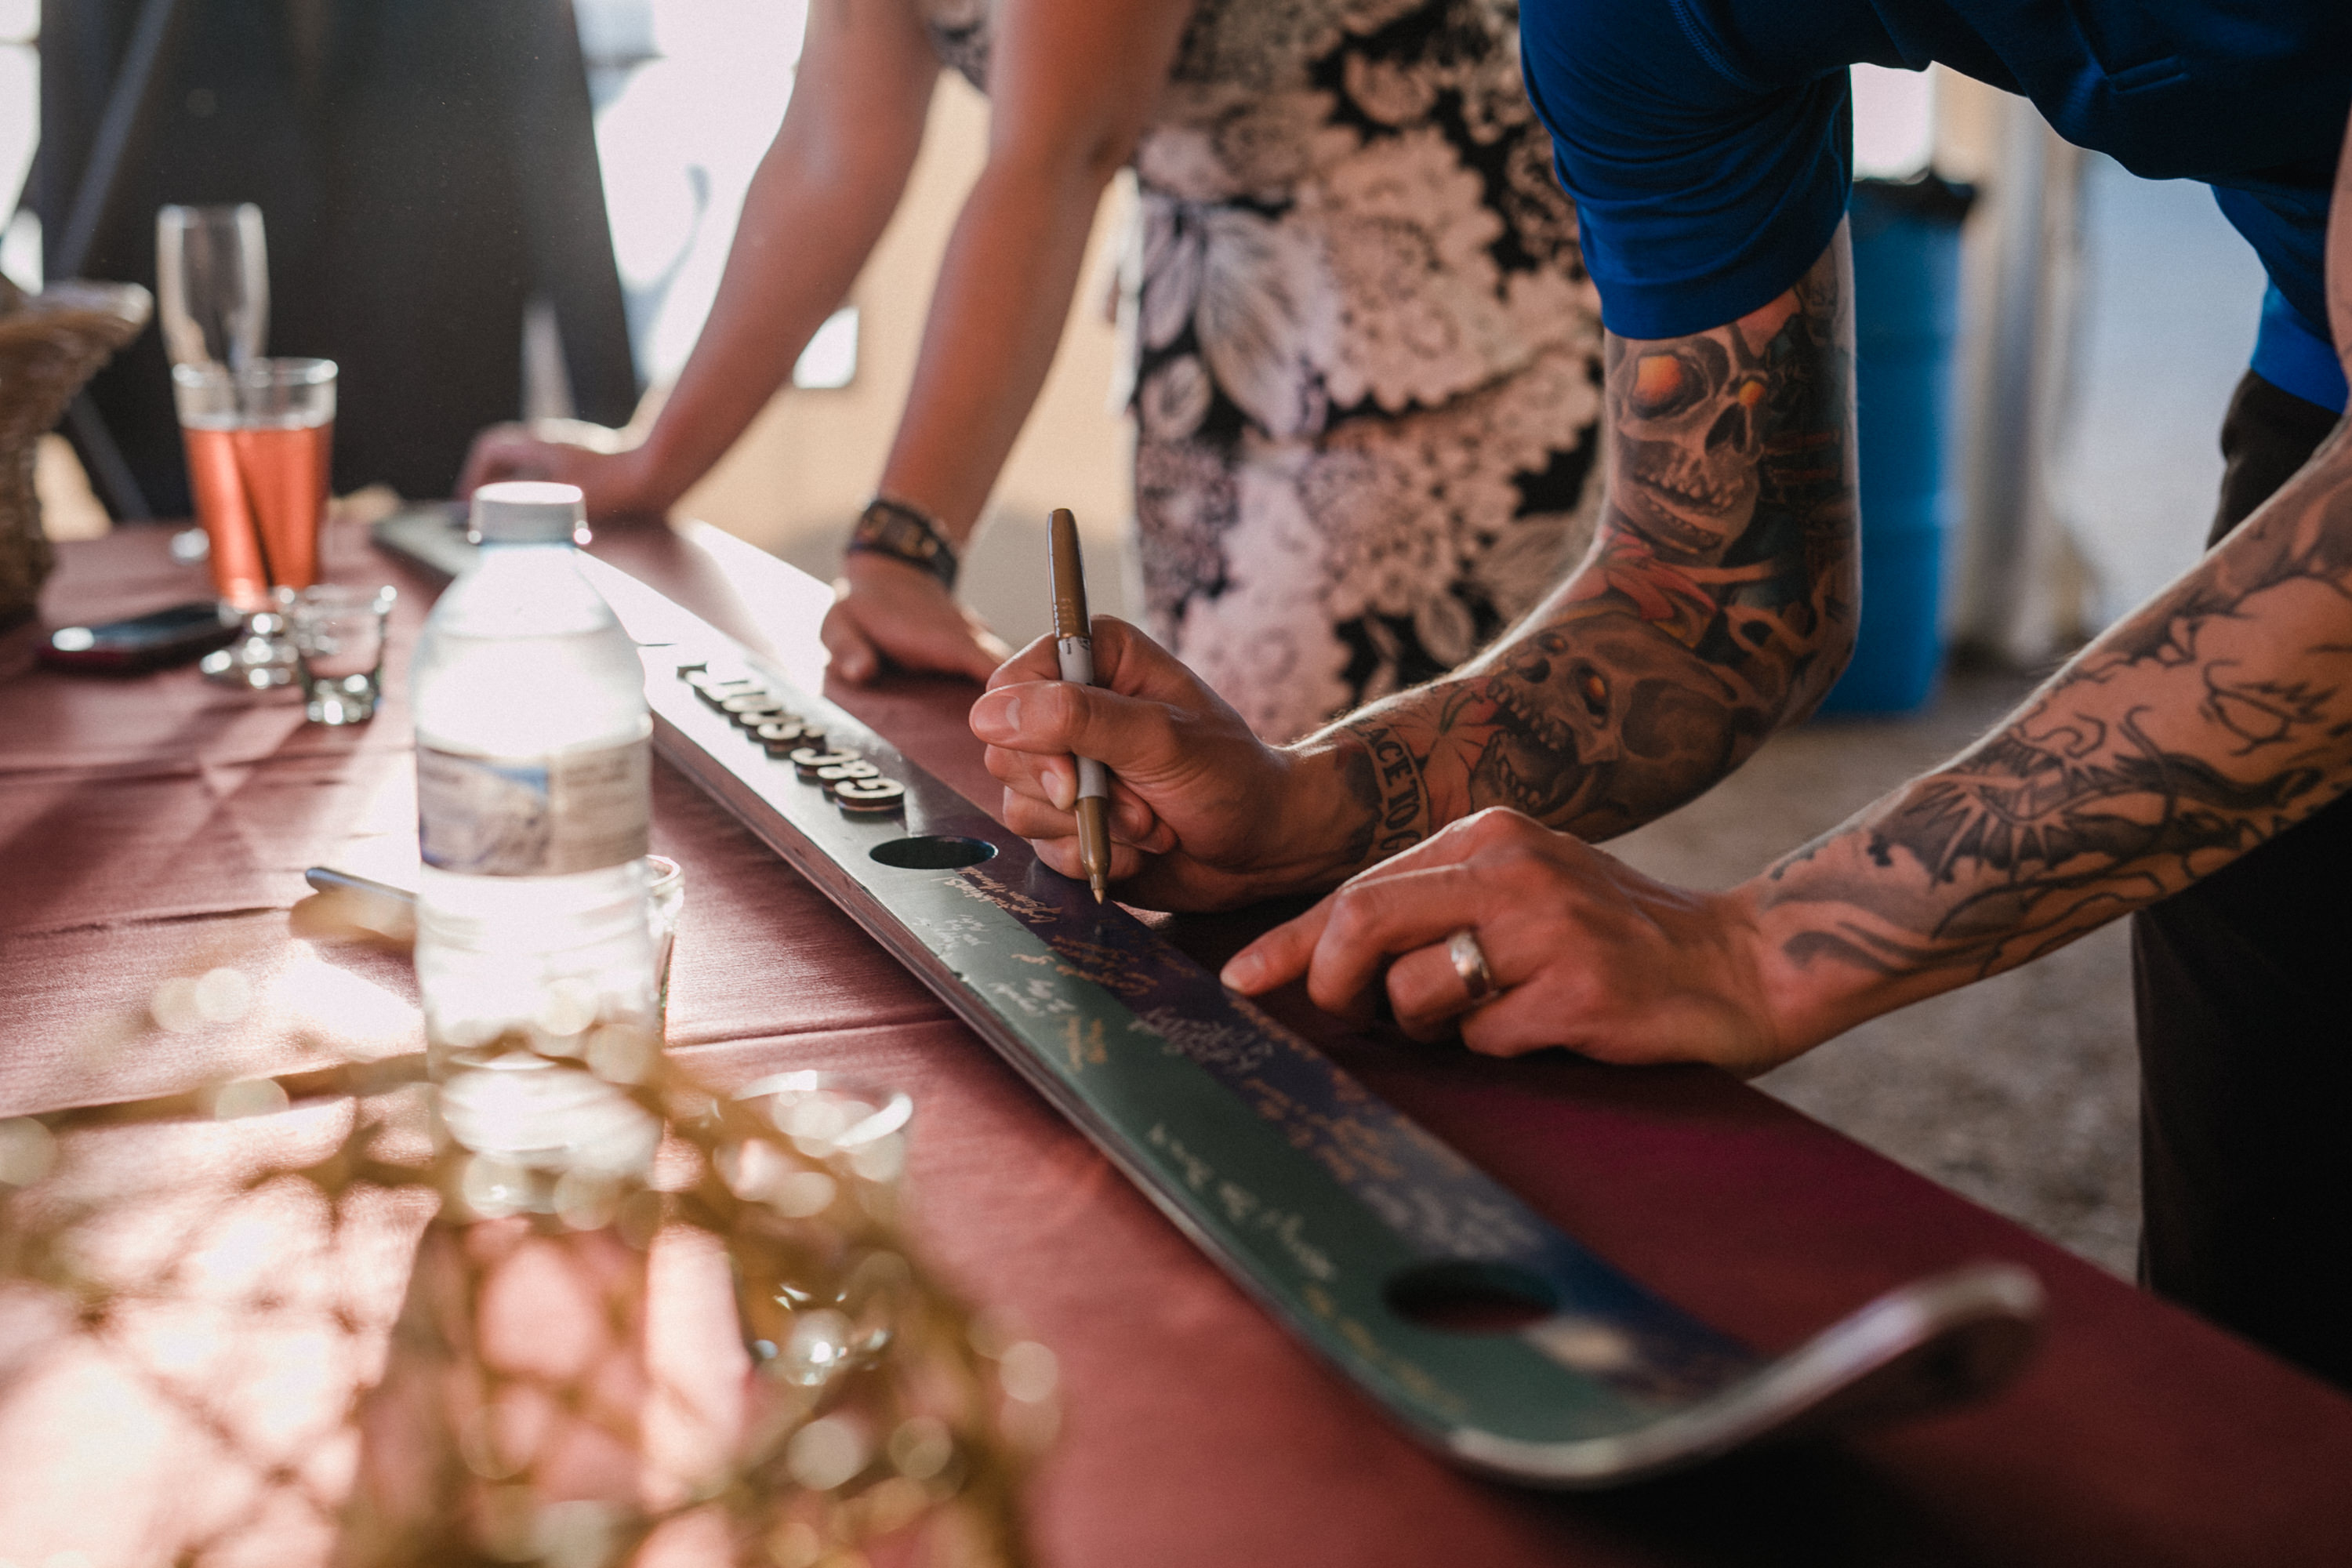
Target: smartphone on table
(171, 635)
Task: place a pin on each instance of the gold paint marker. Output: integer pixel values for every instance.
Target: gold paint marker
(1074, 641)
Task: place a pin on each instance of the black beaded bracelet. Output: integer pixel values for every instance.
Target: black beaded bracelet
(898, 530)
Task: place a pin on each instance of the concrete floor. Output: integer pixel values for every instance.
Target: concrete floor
(2019, 1092)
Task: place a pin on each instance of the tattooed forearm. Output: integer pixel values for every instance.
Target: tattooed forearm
(2206, 723)
(1717, 603)
(1386, 778)
(2213, 719)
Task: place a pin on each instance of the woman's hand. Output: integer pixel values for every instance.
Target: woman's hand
(1204, 813)
(1582, 952)
(893, 614)
(610, 473)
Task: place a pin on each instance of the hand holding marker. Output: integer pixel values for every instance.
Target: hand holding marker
(1074, 643)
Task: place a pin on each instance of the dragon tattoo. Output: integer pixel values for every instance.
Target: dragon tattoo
(2211, 720)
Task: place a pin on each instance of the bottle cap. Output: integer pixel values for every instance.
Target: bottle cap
(528, 512)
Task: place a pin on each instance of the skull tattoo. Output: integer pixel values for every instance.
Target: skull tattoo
(1690, 428)
(1587, 716)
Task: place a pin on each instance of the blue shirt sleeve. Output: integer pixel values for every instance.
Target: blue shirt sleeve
(1700, 195)
(2295, 356)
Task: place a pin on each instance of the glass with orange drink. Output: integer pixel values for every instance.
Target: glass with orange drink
(260, 439)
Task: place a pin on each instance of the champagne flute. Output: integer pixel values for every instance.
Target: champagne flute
(211, 277)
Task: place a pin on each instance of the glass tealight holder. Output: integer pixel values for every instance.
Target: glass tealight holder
(818, 1175)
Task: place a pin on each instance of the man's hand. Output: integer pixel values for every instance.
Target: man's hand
(610, 473)
(893, 614)
(1716, 606)
(1583, 952)
(1204, 813)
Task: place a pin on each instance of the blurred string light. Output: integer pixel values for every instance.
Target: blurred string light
(250, 1275)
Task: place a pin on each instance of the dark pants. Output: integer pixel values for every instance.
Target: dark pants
(2244, 989)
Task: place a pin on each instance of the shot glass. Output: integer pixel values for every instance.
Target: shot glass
(339, 636)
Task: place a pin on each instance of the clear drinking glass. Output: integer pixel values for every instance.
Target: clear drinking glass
(259, 443)
(339, 636)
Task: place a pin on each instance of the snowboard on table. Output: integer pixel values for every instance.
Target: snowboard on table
(1375, 1244)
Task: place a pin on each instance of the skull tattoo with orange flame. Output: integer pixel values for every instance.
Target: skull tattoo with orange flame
(1689, 432)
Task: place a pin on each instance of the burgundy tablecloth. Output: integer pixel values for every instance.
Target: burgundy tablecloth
(150, 823)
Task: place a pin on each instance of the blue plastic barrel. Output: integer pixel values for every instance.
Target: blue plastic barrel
(1906, 268)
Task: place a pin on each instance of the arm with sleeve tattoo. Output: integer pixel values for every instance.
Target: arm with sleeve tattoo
(2210, 720)
(1716, 603)
(2213, 719)
(2205, 725)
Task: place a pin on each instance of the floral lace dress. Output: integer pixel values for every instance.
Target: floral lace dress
(1365, 356)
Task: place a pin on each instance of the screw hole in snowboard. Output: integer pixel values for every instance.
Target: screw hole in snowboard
(933, 852)
(1459, 1298)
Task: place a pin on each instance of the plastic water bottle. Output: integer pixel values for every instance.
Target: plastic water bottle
(533, 793)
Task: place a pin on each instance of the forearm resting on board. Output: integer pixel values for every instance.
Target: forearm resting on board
(2213, 719)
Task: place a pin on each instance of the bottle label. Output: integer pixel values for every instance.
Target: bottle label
(534, 816)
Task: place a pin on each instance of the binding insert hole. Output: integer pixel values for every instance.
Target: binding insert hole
(933, 852)
(1465, 1297)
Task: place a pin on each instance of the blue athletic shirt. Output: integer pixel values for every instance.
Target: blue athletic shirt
(1708, 143)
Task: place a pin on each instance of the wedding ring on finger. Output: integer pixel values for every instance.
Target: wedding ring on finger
(1470, 963)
